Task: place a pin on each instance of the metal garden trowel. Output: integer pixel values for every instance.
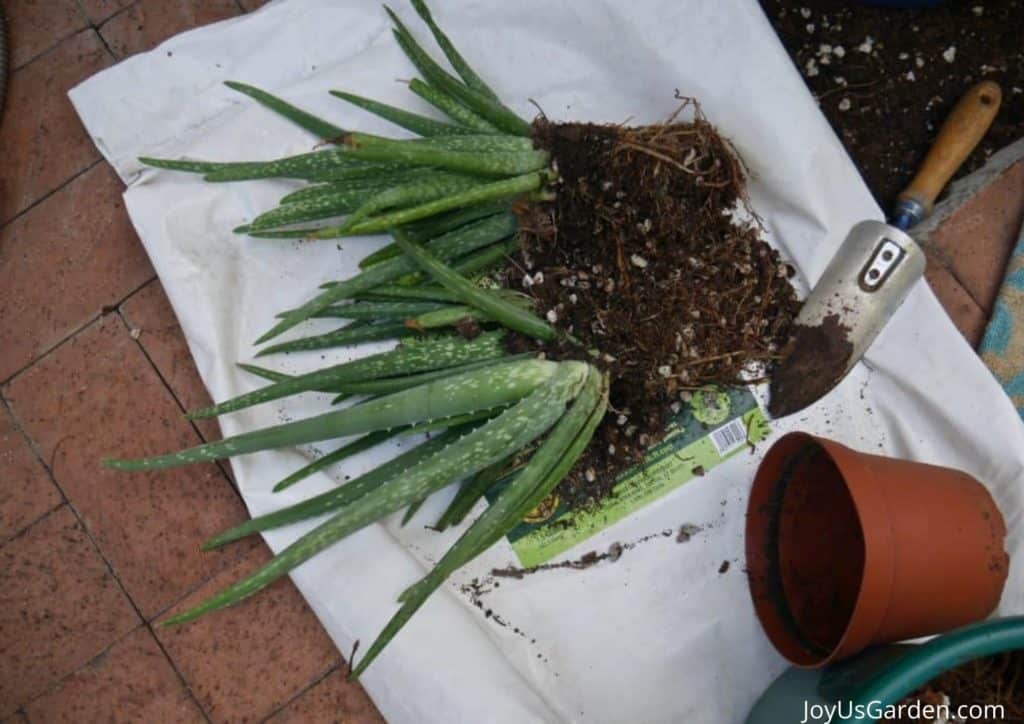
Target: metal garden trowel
(873, 270)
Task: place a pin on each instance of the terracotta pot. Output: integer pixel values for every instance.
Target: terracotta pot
(846, 549)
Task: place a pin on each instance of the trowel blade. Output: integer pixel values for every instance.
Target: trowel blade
(866, 281)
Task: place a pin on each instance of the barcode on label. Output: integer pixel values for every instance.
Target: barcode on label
(729, 436)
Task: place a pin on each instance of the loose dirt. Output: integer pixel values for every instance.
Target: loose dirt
(997, 680)
(643, 257)
(886, 78)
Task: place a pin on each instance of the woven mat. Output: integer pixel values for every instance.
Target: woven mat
(1002, 348)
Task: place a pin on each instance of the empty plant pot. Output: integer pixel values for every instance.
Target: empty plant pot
(846, 549)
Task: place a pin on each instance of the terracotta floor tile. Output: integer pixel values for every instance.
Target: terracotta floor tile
(250, 5)
(37, 25)
(968, 317)
(149, 312)
(100, 10)
(331, 700)
(150, 22)
(131, 682)
(59, 607)
(62, 262)
(244, 662)
(28, 491)
(44, 143)
(978, 238)
(97, 396)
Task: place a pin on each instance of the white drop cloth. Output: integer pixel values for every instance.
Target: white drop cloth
(660, 636)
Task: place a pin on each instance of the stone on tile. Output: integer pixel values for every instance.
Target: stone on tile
(131, 682)
(149, 312)
(36, 25)
(244, 662)
(44, 143)
(28, 491)
(59, 607)
(97, 396)
(62, 262)
(333, 699)
(148, 23)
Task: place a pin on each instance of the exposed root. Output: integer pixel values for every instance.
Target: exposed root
(641, 257)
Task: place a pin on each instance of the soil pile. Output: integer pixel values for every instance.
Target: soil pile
(640, 257)
(886, 78)
(994, 680)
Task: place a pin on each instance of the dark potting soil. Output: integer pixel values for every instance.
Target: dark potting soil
(816, 357)
(997, 680)
(640, 257)
(887, 78)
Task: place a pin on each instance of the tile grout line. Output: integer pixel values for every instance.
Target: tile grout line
(51, 192)
(45, 51)
(73, 333)
(99, 552)
(95, 545)
(89, 24)
(53, 685)
(334, 666)
(38, 456)
(99, 28)
(170, 390)
(144, 622)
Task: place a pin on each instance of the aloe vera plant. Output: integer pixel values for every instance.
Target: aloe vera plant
(447, 198)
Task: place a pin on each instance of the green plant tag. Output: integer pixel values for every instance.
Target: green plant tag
(717, 424)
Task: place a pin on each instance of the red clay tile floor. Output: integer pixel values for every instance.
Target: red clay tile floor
(92, 354)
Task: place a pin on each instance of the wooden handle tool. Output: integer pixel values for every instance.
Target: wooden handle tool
(960, 134)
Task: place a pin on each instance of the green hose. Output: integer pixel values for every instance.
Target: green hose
(881, 676)
(923, 663)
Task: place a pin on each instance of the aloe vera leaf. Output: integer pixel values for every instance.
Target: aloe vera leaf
(420, 125)
(317, 126)
(461, 66)
(531, 417)
(455, 243)
(498, 163)
(419, 191)
(452, 108)
(469, 492)
(547, 466)
(504, 189)
(476, 390)
(497, 307)
(339, 497)
(436, 353)
(490, 108)
(344, 337)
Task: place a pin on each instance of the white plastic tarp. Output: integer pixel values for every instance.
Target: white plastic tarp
(660, 635)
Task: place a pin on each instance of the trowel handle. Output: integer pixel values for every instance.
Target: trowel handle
(963, 129)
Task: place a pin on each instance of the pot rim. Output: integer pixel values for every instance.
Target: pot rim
(874, 591)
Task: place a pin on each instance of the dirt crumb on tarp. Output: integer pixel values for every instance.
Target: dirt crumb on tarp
(592, 558)
(643, 257)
